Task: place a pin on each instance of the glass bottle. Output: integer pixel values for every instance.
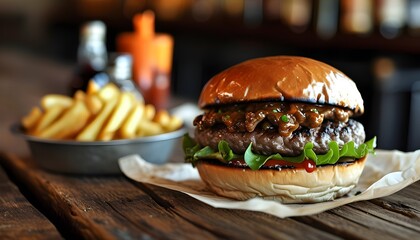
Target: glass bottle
(91, 55)
(119, 72)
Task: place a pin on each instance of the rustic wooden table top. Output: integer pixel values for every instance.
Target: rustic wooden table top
(116, 207)
(36, 204)
(18, 217)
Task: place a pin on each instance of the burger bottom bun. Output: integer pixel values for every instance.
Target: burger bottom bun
(287, 185)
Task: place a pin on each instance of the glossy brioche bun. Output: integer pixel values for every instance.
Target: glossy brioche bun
(282, 78)
(287, 185)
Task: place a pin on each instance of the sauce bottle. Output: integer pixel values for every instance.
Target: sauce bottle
(120, 72)
(91, 55)
(162, 65)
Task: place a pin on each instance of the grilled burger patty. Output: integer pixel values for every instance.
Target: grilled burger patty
(277, 127)
(269, 142)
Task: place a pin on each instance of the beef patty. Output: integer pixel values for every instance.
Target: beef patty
(269, 142)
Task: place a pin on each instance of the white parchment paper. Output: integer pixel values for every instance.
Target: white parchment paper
(385, 173)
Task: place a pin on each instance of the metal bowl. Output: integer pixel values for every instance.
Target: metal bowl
(98, 157)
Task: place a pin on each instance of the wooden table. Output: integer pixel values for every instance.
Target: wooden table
(36, 204)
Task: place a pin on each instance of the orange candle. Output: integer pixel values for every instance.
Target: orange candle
(143, 51)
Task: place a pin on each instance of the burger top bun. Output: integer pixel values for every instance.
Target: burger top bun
(282, 78)
(287, 185)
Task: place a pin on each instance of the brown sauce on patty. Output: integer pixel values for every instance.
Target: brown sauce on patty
(283, 116)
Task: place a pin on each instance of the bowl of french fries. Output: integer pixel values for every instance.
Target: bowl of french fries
(88, 132)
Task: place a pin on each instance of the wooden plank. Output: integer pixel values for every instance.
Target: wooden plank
(384, 226)
(114, 207)
(367, 220)
(355, 221)
(397, 213)
(88, 206)
(18, 218)
(233, 224)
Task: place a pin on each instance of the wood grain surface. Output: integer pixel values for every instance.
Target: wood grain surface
(118, 208)
(19, 219)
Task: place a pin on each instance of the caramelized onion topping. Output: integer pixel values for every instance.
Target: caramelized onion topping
(285, 117)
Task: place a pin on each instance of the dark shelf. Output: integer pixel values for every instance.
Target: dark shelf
(403, 44)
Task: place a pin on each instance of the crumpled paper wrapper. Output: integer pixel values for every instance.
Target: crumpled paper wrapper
(385, 173)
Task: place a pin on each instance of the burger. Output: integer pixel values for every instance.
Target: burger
(279, 128)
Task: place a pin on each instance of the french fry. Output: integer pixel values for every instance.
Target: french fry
(30, 120)
(162, 117)
(169, 123)
(50, 115)
(94, 104)
(174, 124)
(51, 100)
(91, 131)
(148, 128)
(69, 124)
(129, 127)
(92, 88)
(79, 95)
(108, 92)
(117, 118)
(149, 112)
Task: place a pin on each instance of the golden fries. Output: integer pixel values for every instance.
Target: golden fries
(92, 88)
(91, 132)
(29, 121)
(94, 104)
(167, 122)
(149, 112)
(51, 100)
(99, 114)
(147, 128)
(79, 95)
(162, 117)
(108, 92)
(129, 127)
(67, 125)
(51, 114)
(173, 124)
(117, 118)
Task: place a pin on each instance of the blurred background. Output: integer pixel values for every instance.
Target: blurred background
(375, 42)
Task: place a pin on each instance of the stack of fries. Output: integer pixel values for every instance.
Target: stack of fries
(99, 114)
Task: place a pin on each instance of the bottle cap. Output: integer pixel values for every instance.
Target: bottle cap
(93, 30)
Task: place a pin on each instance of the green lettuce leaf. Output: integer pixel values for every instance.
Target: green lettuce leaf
(193, 153)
